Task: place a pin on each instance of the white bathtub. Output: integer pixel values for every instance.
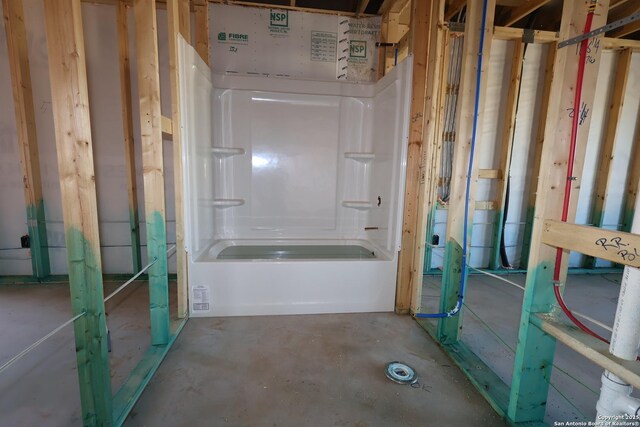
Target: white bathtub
(239, 287)
(293, 191)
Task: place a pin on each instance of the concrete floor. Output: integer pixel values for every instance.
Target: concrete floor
(41, 389)
(494, 304)
(289, 370)
(315, 370)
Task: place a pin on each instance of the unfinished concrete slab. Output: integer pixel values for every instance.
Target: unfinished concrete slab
(307, 370)
(41, 389)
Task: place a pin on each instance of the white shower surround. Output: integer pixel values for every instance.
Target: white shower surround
(272, 161)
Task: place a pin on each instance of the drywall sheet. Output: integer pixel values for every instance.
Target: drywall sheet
(283, 43)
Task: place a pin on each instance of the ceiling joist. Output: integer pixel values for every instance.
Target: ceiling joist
(512, 15)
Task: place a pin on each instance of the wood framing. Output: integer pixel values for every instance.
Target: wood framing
(514, 14)
(362, 6)
(422, 17)
(152, 163)
(615, 246)
(535, 350)
(27, 137)
(176, 28)
(127, 124)
(589, 347)
(506, 148)
(431, 148)
(201, 21)
(537, 151)
(449, 328)
(454, 8)
(603, 173)
(70, 100)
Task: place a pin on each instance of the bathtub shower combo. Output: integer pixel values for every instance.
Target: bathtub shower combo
(293, 191)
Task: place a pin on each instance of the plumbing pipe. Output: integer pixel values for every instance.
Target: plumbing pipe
(615, 400)
(625, 339)
(476, 112)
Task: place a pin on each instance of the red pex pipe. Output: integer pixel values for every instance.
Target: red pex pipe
(570, 164)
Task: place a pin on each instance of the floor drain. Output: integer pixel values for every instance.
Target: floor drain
(400, 373)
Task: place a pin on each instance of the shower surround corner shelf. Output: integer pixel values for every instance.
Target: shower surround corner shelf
(226, 203)
(226, 151)
(360, 157)
(357, 204)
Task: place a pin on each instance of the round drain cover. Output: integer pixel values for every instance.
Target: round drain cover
(400, 373)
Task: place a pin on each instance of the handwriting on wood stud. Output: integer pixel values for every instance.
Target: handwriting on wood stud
(584, 113)
(624, 250)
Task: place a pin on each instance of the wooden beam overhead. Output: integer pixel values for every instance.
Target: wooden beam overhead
(625, 30)
(71, 117)
(127, 123)
(362, 6)
(512, 15)
(454, 8)
(153, 166)
(16, 36)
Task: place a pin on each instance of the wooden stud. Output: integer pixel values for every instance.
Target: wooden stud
(201, 13)
(184, 18)
(508, 33)
(27, 136)
(152, 163)
(633, 182)
(430, 148)
(435, 134)
(166, 124)
(535, 350)
(513, 15)
(70, 98)
(537, 151)
(615, 246)
(603, 173)
(175, 28)
(127, 123)
(362, 6)
(450, 328)
(506, 148)
(422, 14)
(490, 174)
(590, 347)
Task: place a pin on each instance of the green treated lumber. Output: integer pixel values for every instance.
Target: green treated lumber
(506, 148)
(17, 49)
(535, 350)
(449, 328)
(127, 132)
(131, 390)
(70, 97)
(153, 166)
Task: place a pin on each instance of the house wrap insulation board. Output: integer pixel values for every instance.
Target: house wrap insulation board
(284, 43)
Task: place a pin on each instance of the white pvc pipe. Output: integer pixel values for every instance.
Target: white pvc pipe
(615, 400)
(625, 338)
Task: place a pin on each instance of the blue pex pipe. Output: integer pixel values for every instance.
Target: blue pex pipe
(476, 110)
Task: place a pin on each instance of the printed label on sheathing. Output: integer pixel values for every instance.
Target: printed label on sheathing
(200, 298)
(323, 46)
(363, 34)
(278, 23)
(233, 38)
